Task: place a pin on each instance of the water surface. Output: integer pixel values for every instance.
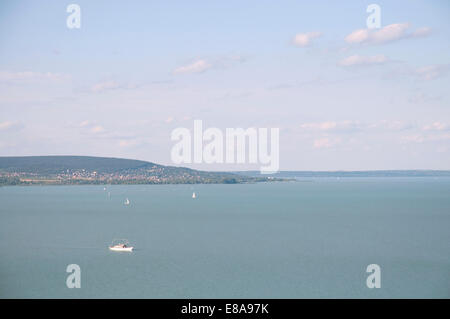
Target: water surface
(308, 239)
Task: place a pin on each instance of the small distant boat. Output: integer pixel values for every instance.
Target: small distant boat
(193, 195)
(120, 245)
(127, 202)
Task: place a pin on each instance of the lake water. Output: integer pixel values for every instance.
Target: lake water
(306, 239)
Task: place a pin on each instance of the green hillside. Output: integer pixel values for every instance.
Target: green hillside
(63, 170)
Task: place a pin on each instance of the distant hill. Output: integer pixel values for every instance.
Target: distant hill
(58, 164)
(102, 170)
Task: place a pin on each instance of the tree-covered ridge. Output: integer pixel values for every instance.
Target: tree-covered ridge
(58, 164)
(62, 170)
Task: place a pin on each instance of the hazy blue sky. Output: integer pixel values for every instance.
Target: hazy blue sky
(135, 70)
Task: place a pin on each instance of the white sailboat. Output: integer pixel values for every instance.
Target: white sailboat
(193, 195)
(127, 202)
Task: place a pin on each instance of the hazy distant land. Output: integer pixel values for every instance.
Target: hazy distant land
(374, 173)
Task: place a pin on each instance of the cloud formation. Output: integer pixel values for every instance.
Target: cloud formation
(350, 126)
(198, 66)
(110, 86)
(437, 126)
(91, 128)
(102, 86)
(326, 142)
(389, 33)
(420, 138)
(30, 76)
(305, 39)
(332, 126)
(431, 72)
(203, 65)
(355, 60)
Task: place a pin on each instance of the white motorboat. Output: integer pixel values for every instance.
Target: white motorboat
(120, 245)
(193, 195)
(120, 248)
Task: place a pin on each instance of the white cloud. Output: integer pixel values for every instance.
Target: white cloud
(389, 33)
(326, 142)
(111, 85)
(357, 36)
(425, 73)
(319, 125)
(205, 64)
(102, 86)
(436, 132)
(198, 66)
(418, 138)
(305, 39)
(413, 138)
(431, 72)
(421, 32)
(91, 128)
(436, 126)
(363, 60)
(31, 76)
(350, 126)
(332, 126)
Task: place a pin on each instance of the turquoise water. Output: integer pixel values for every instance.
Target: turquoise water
(308, 239)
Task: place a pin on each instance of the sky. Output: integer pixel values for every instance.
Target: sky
(343, 96)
